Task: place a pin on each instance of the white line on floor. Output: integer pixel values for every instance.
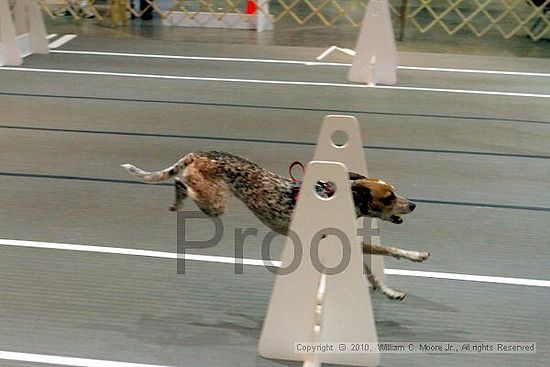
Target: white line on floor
(67, 361)
(199, 58)
(272, 82)
(469, 277)
(256, 262)
(62, 40)
(129, 251)
(475, 71)
(295, 62)
(50, 36)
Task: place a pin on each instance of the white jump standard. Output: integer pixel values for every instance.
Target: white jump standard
(23, 33)
(311, 305)
(375, 55)
(324, 298)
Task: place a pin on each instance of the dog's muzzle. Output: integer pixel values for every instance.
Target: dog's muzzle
(394, 218)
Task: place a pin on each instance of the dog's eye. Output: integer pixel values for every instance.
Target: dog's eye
(388, 199)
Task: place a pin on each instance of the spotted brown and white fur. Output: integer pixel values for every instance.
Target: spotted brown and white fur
(209, 178)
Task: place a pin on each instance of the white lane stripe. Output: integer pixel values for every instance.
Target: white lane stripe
(475, 71)
(295, 62)
(67, 361)
(50, 36)
(129, 251)
(256, 262)
(199, 58)
(62, 40)
(469, 277)
(273, 82)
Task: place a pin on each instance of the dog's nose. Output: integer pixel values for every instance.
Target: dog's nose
(412, 206)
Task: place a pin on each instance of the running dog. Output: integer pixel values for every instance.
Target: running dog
(210, 177)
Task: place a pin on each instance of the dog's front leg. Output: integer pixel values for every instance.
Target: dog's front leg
(398, 253)
(377, 284)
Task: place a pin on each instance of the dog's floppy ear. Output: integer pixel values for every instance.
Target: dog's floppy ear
(355, 176)
(361, 197)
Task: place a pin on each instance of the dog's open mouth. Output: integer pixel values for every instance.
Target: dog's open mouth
(396, 219)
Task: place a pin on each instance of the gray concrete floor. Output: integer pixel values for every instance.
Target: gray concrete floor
(477, 165)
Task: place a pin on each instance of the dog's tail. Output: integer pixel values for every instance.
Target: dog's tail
(158, 176)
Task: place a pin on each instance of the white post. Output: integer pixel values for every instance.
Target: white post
(263, 20)
(9, 49)
(30, 28)
(346, 310)
(352, 155)
(375, 61)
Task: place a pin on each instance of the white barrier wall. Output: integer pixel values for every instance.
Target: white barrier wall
(260, 20)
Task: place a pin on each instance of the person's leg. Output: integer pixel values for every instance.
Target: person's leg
(85, 12)
(148, 14)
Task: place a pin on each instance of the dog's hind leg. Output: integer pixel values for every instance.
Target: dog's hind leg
(398, 253)
(209, 194)
(181, 194)
(377, 284)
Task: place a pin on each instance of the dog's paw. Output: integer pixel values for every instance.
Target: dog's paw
(415, 256)
(378, 285)
(392, 294)
(420, 256)
(396, 295)
(129, 167)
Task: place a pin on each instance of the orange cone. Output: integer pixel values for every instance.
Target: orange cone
(250, 7)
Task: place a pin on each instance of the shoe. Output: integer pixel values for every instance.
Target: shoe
(87, 15)
(62, 13)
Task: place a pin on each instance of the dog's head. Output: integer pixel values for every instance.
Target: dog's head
(377, 199)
